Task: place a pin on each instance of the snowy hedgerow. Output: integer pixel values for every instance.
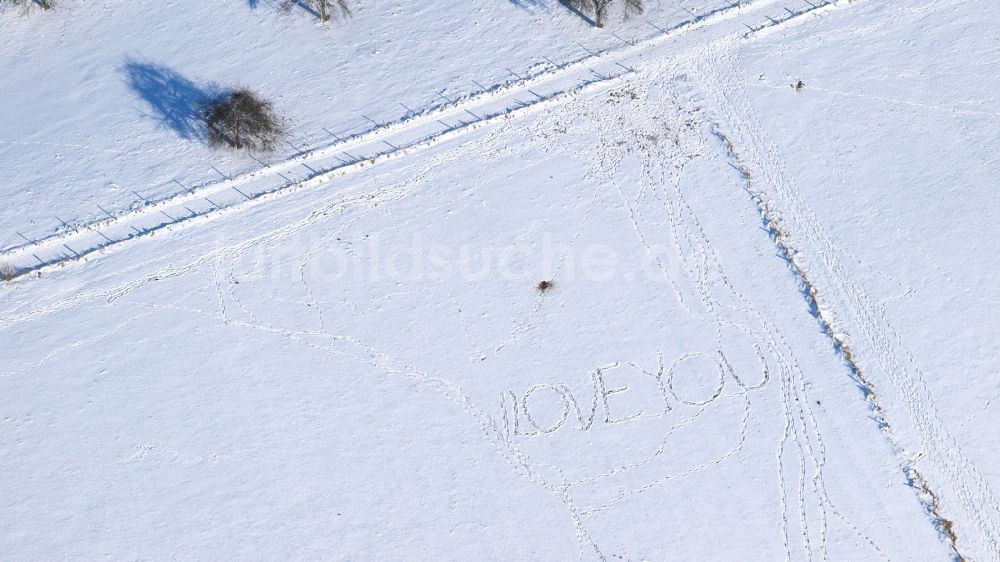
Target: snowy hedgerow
(599, 8)
(240, 119)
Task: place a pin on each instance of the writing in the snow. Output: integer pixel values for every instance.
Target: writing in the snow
(547, 408)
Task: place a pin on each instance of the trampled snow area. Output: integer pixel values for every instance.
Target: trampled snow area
(768, 335)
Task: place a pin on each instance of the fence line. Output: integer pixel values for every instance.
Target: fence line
(412, 118)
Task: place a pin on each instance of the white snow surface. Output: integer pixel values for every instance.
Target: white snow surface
(768, 335)
(100, 96)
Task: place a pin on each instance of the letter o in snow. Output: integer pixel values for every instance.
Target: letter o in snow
(699, 377)
(560, 396)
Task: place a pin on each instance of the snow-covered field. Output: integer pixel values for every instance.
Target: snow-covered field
(99, 95)
(768, 334)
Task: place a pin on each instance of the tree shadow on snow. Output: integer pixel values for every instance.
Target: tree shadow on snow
(576, 11)
(284, 6)
(287, 6)
(530, 4)
(176, 102)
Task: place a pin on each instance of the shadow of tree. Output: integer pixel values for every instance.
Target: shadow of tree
(530, 4)
(176, 102)
(576, 11)
(288, 6)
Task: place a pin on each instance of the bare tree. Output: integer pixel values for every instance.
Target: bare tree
(323, 8)
(599, 8)
(26, 5)
(241, 119)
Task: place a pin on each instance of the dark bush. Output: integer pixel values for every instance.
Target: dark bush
(240, 119)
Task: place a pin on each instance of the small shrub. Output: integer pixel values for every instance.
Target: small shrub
(240, 119)
(7, 271)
